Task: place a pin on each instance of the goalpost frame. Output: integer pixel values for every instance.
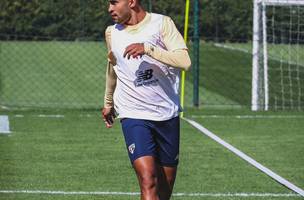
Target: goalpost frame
(259, 10)
(255, 96)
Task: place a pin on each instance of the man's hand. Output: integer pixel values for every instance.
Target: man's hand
(134, 50)
(108, 116)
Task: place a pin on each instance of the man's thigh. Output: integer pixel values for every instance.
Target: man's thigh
(159, 139)
(167, 136)
(139, 138)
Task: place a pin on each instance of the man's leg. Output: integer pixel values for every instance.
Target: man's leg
(167, 137)
(146, 171)
(166, 178)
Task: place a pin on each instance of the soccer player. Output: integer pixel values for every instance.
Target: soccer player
(146, 54)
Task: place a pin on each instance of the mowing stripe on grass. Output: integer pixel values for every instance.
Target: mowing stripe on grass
(4, 124)
(249, 116)
(137, 194)
(246, 158)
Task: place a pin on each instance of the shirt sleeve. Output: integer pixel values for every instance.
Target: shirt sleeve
(108, 37)
(110, 74)
(176, 52)
(172, 38)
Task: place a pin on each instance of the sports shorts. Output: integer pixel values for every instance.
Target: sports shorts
(159, 139)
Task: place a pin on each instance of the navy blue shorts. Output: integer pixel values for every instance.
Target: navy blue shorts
(159, 139)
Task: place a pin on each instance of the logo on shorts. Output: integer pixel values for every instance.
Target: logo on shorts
(131, 148)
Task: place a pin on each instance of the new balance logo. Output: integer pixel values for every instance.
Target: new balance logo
(144, 75)
(144, 78)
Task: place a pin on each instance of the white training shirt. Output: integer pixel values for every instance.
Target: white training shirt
(145, 88)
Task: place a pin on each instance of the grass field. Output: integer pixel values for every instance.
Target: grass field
(72, 151)
(52, 74)
(231, 63)
(72, 75)
(291, 53)
(51, 91)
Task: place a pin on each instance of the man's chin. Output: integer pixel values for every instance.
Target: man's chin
(117, 21)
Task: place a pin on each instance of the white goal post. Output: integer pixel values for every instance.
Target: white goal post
(260, 82)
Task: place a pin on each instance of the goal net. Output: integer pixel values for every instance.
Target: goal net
(278, 55)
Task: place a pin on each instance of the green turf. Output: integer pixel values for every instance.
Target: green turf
(284, 52)
(275, 142)
(72, 75)
(52, 74)
(225, 77)
(86, 197)
(226, 70)
(76, 153)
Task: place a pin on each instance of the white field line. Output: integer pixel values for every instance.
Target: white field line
(246, 158)
(137, 194)
(249, 52)
(4, 124)
(232, 48)
(249, 116)
(39, 116)
(192, 116)
(51, 116)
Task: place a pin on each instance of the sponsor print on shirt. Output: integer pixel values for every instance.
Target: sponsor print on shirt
(145, 75)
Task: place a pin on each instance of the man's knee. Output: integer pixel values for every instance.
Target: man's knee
(167, 175)
(148, 181)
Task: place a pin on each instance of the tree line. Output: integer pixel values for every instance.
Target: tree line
(88, 19)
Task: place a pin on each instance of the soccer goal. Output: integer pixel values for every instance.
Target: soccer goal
(278, 55)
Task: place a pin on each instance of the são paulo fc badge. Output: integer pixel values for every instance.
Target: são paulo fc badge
(131, 148)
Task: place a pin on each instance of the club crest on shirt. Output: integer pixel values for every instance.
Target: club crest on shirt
(131, 148)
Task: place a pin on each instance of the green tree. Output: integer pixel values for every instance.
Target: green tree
(87, 19)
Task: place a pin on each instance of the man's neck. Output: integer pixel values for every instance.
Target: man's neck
(137, 15)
